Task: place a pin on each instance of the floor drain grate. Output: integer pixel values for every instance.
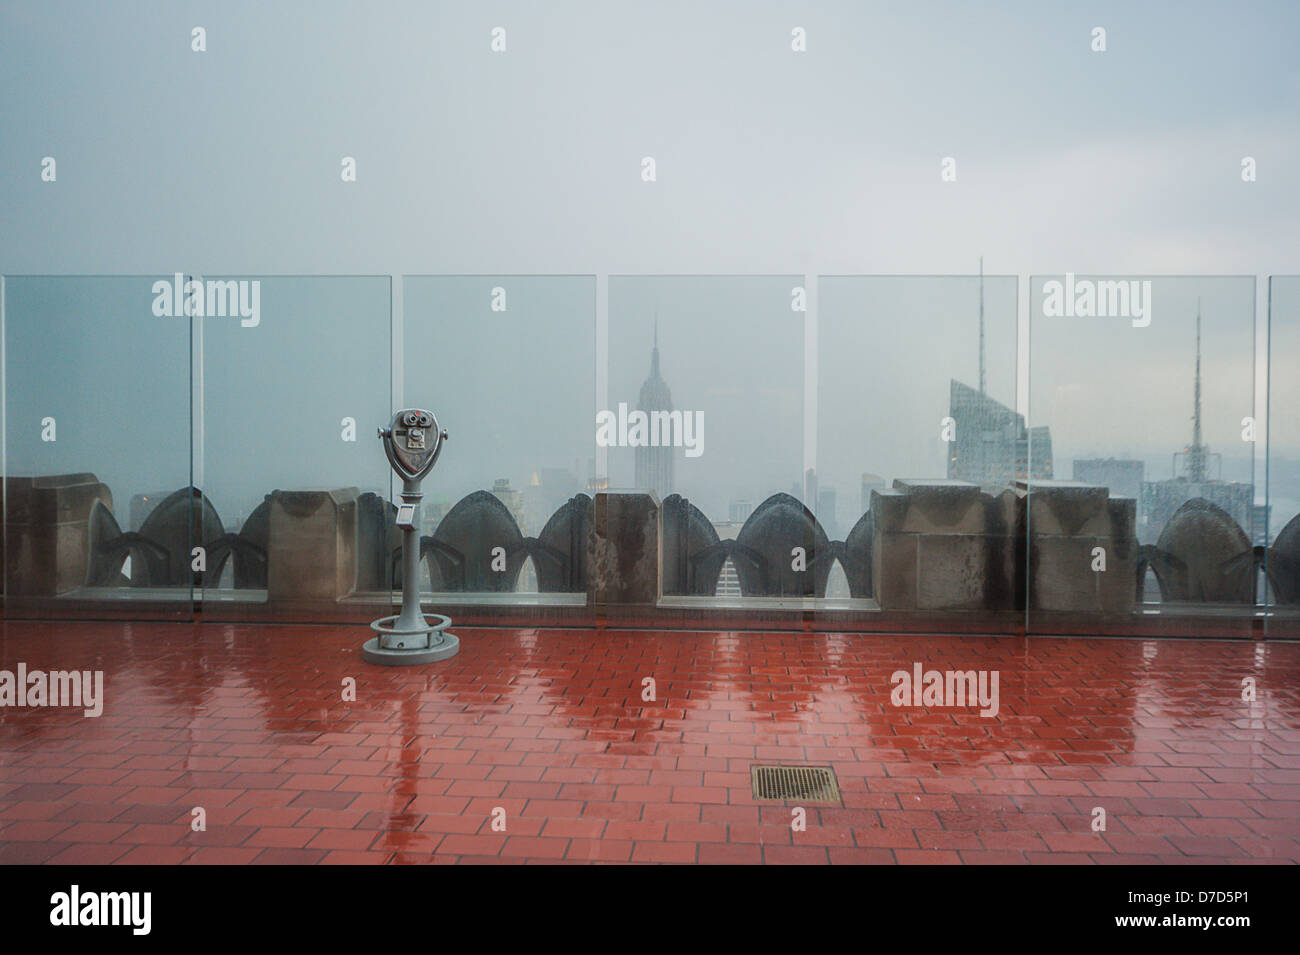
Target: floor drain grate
(806, 783)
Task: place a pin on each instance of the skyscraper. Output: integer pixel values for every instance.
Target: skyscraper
(992, 445)
(1123, 476)
(654, 465)
(826, 507)
(1193, 479)
(870, 482)
(513, 500)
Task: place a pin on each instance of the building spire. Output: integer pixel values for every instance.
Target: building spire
(982, 381)
(654, 353)
(1196, 457)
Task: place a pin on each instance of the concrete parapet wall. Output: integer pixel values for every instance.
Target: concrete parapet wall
(1068, 522)
(47, 532)
(312, 554)
(943, 545)
(624, 553)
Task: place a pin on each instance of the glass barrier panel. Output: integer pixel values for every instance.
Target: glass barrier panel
(507, 363)
(1153, 519)
(919, 445)
(99, 513)
(703, 417)
(1283, 553)
(294, 381)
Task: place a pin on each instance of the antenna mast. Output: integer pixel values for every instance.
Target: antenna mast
(1197, 456)
(982, 382)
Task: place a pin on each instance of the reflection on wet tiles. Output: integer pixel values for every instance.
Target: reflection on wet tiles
(560, 731)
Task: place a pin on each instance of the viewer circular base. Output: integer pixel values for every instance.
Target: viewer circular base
(393, 647)
(372, 652)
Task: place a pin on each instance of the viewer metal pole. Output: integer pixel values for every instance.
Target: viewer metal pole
(412, 443)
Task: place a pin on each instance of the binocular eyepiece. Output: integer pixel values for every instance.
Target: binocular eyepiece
(412, 442)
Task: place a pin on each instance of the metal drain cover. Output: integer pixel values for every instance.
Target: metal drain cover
(805, 783)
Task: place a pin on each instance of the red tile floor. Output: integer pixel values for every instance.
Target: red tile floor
(249, 723)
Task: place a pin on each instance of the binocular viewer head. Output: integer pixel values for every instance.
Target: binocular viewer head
(414, 419)
(413, 442)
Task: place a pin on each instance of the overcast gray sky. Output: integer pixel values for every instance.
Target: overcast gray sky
(770, 164)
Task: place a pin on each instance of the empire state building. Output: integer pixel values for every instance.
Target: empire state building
(654, 465)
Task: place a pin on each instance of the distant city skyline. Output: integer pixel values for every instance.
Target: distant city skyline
(472, 167)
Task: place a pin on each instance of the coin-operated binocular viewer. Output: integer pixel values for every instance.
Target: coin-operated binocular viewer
(412, 442)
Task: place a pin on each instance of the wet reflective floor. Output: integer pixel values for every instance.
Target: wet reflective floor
(636, 746)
